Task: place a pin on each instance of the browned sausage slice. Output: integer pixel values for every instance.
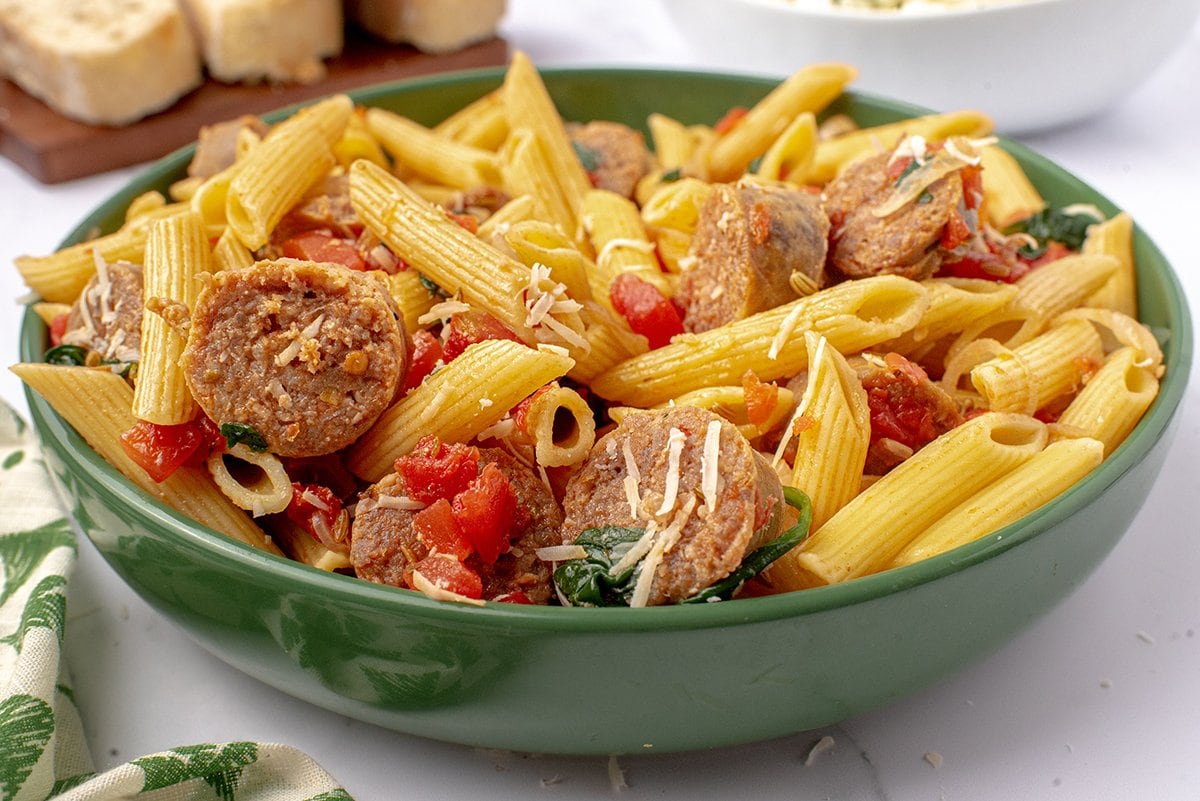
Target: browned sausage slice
(107, 315)
(384, 544)
(308, 354)
(721, 501)
(904, 242)
(620, 155)
(749, 242)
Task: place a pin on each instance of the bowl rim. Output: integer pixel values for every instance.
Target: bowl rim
(87, 465)
(825, 9)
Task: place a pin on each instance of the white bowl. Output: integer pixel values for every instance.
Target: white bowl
(1030, 64)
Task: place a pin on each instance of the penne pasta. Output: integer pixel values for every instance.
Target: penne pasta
(429, 154)
(853, 315)
(457, 402)
(1114, 237)
(1044, 368)
(1008, 193)
(176, 254)
(809, 89)
(561, 425)
(867, 534)
(101, 421)
(280, 169)
(1027, 487)
(1112, 401)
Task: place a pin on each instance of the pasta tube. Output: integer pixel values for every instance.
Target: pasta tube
(101, 420)
(852, 315)
(561, 425)
(1045, 476)
(1113, 400)
(1114, 237)
(867, 533)
(457, 402)
(809, 89)
(279, 170)
(1048, 366)
(176, 253)
(429, 154)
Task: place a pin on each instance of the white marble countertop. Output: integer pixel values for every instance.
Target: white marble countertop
(1097, 700)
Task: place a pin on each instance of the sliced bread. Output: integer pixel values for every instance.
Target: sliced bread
(105, 62)
(283, 41)
(433, 26)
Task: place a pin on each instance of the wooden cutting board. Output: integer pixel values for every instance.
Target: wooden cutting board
(53, 149)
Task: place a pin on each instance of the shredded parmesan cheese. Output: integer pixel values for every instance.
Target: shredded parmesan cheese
(663, 543)
(786, 328)
(561, 553)
(632, 478)
(441, 312)
(675, 441)
(402, 502)
(640, 245)
(708, 464)
(639, 550)
(424, 585)
(288, 354)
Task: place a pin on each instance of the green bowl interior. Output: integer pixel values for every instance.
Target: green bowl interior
(630, 95)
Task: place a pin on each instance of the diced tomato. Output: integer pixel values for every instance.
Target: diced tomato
(315, 509)
(897, 167)
(985, 265)
(423, 357)
(647, 310)
(436, 527)
(465, 220)
(514, 597)
(730, 120)
(972, 183)
(761, 398)
(437, 469)
(160, 450)
(485, 512)
(447, 573)
(1054, 251)
(469, 327)
(520, 412)
(319, 244)
(956, 232)
(58, 327)
(899, 411)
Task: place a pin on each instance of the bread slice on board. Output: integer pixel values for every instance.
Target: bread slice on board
(105, 62)
(284, 41)
(432, 26)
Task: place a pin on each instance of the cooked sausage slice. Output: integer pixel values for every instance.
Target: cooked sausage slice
(749, 242)
(384, 545)
(902, 243)
(713, 539)
(107, 315)
(621, 157)
(308, 354)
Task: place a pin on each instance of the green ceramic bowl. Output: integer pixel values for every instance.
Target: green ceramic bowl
(606, 681)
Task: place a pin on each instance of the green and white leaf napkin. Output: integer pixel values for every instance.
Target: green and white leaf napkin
(43, 753)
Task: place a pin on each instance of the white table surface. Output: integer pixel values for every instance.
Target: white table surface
(1097, 700)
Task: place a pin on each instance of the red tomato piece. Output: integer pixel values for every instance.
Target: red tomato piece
(469, 327)
(956, 232)
(730, 120)
(436, 527)
(319, 244)
(485, 512)
(424, 356)
(161, 450)
(647, 310)
(58, 327)
(761, 398)
(447, 573)
(309, 500)
(437, 469)
(520, 412)
(972, 181)
(465, 220)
